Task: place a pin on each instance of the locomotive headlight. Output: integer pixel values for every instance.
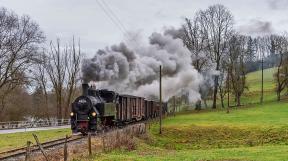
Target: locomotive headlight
(71, 114)
(93, 114)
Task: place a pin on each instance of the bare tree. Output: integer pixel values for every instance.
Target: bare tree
(19, 40)
(63, 70)
(238, 47)
(41, 78)
(56, 70)
(73, 69)
(194, 41)
(216, 27)
(278, 45)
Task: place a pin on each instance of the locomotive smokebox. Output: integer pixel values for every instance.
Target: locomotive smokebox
(85, 87)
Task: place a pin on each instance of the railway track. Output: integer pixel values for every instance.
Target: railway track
(14, 153)
(49, 144)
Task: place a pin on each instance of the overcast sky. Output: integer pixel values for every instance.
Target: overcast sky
(85, 19)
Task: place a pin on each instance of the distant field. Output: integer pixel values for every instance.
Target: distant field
(254, 80)
(252, 94)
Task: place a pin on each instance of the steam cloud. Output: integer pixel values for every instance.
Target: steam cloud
(133, 68)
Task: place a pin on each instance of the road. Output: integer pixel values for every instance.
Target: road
(32, 129)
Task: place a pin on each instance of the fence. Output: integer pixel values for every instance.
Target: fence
(33, 124)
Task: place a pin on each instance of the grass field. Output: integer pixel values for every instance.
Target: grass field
(16, 140)
(251, 132)
(256, 133)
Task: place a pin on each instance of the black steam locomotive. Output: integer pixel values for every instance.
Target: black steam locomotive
(98, 109)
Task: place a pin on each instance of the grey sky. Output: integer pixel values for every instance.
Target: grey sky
(86, 20)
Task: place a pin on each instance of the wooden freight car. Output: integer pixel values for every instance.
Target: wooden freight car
(130, 108)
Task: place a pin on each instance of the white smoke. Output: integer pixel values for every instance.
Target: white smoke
(133, 68)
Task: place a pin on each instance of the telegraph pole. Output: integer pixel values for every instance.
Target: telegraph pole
(262, 79)
(160, 95)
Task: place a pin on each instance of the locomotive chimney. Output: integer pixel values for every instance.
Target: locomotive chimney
(85, 87)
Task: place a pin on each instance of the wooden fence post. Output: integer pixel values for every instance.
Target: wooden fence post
(28, 151)
(66, 149)
(40, 146)
(89, 144)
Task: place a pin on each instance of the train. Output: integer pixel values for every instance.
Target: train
(98, 109)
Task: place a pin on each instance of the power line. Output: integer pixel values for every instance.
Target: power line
(114, 15)
(115, 20)
(110, 17)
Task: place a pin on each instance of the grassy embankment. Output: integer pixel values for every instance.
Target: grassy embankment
(251, 132)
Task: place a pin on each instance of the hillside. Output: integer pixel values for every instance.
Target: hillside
(251, 132)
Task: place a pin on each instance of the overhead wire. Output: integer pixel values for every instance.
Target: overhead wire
(115, 20)
(114, 15)
(110, 17)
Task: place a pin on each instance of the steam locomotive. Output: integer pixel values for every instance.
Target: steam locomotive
(98, 109)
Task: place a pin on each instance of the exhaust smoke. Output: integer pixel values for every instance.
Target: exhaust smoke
(133, 68)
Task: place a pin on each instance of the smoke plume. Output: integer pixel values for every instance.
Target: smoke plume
(133, 68)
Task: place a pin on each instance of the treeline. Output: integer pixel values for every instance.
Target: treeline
(215, 44)
(35, 80)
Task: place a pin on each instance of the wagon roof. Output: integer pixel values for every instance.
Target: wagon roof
(131, 96)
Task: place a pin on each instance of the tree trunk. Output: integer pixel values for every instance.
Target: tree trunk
(215, 92)
(278, 95)
(278, 79)
(222, 101)
(238, 100)
(198, 106)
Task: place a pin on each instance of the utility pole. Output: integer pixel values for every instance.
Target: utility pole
(262, 81)
(160, 95)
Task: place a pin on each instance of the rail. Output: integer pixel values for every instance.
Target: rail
(21, 151)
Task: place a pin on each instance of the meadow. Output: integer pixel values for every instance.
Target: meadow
(253, 131)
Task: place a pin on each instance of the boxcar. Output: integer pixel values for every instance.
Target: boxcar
(130, 108)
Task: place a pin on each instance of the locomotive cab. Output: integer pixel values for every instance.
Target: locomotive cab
(108, 110)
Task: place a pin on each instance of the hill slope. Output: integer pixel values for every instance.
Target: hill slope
(252, 132)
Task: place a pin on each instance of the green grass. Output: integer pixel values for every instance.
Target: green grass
(252, 94)
(268, 114)
(254, 80)
(16, 140)
(270, 153)
(250, 132)
(255, 133)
